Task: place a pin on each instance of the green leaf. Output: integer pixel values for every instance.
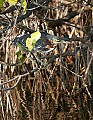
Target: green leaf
(21, 47)
(30, 42)
(36, 35)
(24, 5)
(12, 2)
(1, 3)
(20, 56)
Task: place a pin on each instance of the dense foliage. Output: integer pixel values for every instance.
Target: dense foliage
(46, 60)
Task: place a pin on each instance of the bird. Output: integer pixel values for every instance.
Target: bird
(37, 42)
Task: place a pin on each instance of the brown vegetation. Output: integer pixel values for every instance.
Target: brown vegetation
(53, 86)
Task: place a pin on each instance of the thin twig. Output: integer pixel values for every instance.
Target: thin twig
(86, 72)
